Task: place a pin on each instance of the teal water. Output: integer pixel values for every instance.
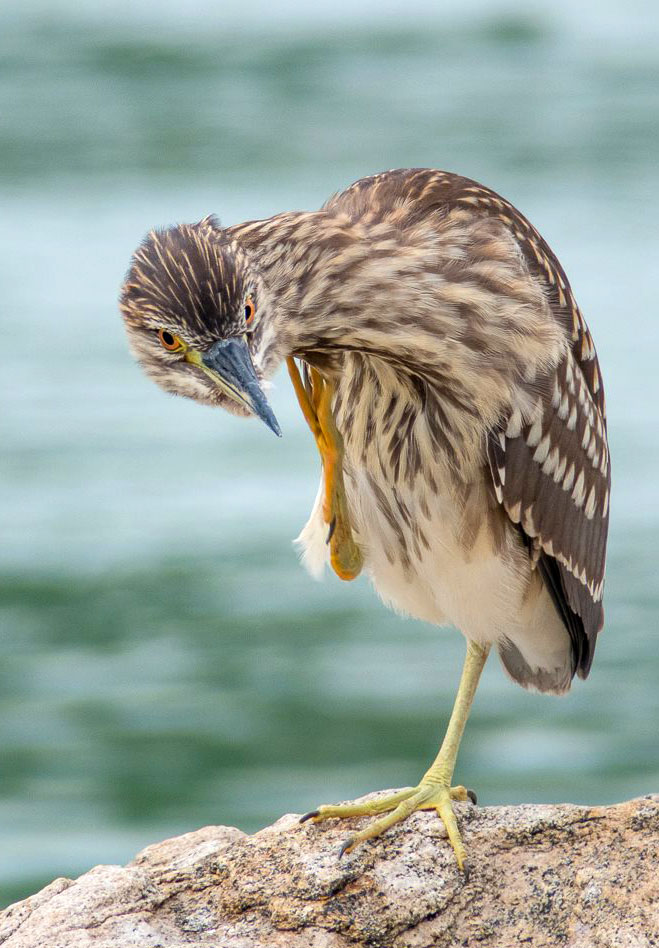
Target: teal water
(165, 662)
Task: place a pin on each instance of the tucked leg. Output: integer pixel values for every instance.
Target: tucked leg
(316, 404)
(434, 792)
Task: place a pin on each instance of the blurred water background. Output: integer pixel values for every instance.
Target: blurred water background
(165, 662)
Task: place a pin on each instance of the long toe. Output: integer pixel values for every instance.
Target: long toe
(342, 811)
(396, 807)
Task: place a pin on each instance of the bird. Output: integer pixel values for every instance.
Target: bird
(453, 389)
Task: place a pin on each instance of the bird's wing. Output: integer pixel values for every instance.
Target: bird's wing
(551, 471)
(551, 474)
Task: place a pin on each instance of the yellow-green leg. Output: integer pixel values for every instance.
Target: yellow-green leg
(434, 792)
(316, 404)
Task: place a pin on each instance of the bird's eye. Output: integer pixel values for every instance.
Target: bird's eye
(250, 310)
(169, 340)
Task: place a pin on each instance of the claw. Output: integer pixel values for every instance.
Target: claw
(466, 870)
(472, 796)
(395, 807)
(309, 816)
(347, 846)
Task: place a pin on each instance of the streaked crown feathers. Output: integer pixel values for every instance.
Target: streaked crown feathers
(188, 276)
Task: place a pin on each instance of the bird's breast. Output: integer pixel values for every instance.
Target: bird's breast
(435, 542)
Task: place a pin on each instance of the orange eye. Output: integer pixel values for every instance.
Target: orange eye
(250, 310)
(169, 340)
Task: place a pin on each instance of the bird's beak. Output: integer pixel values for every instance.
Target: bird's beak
(229, 364)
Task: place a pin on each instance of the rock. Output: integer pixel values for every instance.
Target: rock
(574, 876)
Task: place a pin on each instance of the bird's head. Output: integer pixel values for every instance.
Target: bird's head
(192, 304)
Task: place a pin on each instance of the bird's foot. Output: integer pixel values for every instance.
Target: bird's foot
(345, 555)
(315, 400)
(398, 806)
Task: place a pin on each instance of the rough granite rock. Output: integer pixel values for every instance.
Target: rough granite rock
(574, 876)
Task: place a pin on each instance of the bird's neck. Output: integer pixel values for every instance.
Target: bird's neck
(334, 284)
(302, 257)
(405, 296)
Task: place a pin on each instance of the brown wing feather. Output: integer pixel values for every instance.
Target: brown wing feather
(426, 190)
(556, 471)
(555, 478)
(552, 474)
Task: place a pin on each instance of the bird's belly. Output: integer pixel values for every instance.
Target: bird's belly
(420, 565)
(418, 561)
(416, 556)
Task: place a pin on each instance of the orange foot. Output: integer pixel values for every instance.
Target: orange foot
(315, 400)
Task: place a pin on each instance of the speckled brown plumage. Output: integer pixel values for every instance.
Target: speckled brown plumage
(468, 394)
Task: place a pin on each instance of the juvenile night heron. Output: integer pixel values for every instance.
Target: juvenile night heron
(454, 392)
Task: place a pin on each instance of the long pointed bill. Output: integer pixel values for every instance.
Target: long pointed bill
(229, 364)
